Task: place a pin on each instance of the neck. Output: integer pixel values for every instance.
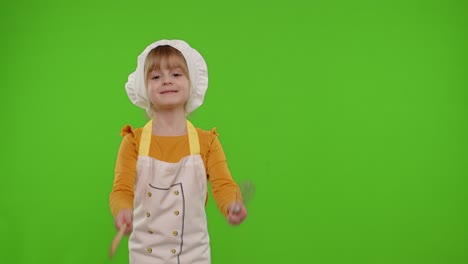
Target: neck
(169, 123)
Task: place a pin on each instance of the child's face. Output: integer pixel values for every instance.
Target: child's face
(168, 88)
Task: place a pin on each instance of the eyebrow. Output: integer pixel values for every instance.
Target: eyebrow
(171, 68)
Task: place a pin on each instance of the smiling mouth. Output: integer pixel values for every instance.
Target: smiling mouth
(169, 92)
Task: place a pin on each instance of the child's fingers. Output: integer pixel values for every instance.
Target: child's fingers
(236, 218)
(129, 229)
(118, 222)
(128, 216)
(124, 218)
(129, 222)
(235, 207)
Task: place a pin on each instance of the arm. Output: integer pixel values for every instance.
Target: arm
(121, 197)
(224, 189)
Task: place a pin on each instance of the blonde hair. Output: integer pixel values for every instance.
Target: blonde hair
(165, 56)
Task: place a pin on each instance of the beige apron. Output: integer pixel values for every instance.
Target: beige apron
(169, 220)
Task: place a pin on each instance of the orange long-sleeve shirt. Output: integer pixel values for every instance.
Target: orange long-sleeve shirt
(171, 149)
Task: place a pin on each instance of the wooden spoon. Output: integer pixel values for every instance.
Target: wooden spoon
(116, 240)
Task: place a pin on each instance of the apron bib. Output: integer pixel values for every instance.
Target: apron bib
(169, 219)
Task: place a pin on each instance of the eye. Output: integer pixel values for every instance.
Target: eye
(155, 77)
(176, 74)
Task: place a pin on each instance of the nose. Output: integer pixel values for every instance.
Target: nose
(167, 80)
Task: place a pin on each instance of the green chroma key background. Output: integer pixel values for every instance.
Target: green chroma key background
(349, 116)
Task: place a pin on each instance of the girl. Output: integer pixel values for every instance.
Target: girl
(160, 186)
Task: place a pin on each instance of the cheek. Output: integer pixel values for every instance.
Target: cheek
(187, 87)
(187, 93)
(151, 86)
(151, 92)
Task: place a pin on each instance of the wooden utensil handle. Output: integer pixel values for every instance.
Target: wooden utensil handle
(116, 240)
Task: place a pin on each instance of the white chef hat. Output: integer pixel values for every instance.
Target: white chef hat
(136, 84)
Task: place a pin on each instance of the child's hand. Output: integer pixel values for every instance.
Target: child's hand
(237, 213)
(124, 217)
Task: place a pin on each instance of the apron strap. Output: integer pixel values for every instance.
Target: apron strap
(146, 139)
(193, 139)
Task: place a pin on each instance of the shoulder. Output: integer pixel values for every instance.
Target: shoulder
(207, 135)
(131, 133)
(209, 141)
